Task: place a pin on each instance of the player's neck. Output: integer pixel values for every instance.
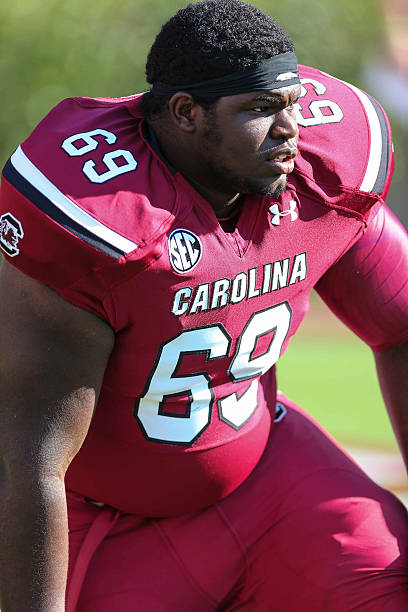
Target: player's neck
(220, 201)
(185, 162)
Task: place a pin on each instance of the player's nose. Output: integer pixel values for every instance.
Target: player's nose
(285, 125)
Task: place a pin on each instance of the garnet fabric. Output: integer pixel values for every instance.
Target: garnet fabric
(200, 315)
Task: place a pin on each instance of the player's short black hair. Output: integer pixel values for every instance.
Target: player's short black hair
(209, 39)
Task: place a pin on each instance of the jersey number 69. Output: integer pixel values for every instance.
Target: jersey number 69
(164, 382)
(89, 143)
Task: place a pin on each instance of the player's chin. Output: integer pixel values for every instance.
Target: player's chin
(273, 188)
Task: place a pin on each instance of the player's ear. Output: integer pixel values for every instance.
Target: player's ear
(184, 111)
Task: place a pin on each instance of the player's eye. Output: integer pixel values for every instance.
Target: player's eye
(261, 109)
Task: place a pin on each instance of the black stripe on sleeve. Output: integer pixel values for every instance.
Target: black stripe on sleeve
(46, 206)
(385, 155)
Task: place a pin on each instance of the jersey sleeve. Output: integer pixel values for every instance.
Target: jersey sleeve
(41, 247)
(75, 211)
(346, 153)
(368, 287)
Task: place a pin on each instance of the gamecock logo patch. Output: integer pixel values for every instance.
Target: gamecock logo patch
(11, 232)
(184, 250)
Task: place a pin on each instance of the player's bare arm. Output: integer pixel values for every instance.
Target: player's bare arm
(53, 356)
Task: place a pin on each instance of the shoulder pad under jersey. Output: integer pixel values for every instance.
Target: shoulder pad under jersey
(345, 144)
(83, 192)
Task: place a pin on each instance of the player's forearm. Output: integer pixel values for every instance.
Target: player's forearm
(392, 368)
(33, 543)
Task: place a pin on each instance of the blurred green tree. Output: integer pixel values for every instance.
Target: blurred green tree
(54, 49)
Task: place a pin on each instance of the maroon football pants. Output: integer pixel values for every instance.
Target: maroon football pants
(308, 531)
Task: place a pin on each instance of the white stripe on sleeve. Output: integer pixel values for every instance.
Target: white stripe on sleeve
(34, 176)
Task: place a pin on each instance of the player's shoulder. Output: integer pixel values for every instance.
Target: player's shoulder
(75, 164)
(345, 136)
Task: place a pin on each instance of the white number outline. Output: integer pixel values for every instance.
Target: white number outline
(148, 408)
(315, 107)
(113, 170)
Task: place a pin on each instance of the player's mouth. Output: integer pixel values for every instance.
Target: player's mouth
(281, 161)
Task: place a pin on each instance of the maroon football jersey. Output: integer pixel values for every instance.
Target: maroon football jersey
(200, 315)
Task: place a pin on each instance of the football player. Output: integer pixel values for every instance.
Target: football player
(159, 253)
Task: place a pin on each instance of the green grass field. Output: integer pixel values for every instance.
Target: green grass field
(331, 374)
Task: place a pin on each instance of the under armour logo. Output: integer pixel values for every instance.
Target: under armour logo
(280, 412)
(277, 214)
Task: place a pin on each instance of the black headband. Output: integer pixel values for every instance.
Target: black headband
(275, 72)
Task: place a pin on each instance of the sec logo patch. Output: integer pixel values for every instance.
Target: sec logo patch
(184, 250)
